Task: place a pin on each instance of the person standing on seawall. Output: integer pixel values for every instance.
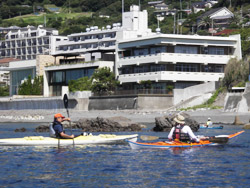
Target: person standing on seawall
(181, 131)
(58, 127)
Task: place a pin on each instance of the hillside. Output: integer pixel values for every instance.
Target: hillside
(75, 16)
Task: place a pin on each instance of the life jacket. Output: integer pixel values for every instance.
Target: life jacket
(178, 135)
(53, 133)
(209, 123)
(51, 130)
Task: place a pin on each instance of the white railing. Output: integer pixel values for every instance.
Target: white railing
(171, 76)
(175, 57)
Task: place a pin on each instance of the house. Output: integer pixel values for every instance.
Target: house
(201, 6)
(161, 6)
(220, 17)
(198, 6)
(153, 3)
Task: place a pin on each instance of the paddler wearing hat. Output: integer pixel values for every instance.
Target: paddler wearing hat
(182, 132)
(58, 127)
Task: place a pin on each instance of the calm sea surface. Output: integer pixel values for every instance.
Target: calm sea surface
(119, 166)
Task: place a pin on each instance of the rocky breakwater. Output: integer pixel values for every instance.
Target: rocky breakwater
(165, 123)
(100, 124)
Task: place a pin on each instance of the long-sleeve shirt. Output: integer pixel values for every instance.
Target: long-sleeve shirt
(186, 129)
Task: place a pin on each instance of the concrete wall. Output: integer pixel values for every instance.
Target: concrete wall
(141, 102)
(38, 104)
(189, 92)
(232, 101)
(113, 102)
(154, 102)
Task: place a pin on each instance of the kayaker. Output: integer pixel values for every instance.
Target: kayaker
(58, 127)
(181, 131)
(209, 122)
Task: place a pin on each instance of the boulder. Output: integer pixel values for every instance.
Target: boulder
(165, 123)
(20, 130)
(100, 124)
(246, 126)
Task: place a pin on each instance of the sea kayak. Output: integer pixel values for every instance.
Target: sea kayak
(204, 127)
(80, 140)
(175, 144)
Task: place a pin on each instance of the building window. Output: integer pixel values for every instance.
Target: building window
(157, 68)
(219, 68)
(216, 51)
(140, 52)
(186, 49)
(186, 68)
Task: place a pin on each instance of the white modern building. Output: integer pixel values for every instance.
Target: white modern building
(137, 54)
(176, 60)
(26, 43)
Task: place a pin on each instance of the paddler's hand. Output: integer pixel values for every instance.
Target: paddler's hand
(72, 136)
(66, 119)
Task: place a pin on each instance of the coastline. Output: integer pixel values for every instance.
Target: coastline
(145, 116)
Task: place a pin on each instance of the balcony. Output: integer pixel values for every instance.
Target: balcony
(171, 76)
(175, 57)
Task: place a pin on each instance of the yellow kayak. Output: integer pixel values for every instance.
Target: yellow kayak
(80, 140)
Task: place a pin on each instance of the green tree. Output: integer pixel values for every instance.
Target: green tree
(81, 84)
(4, 91)
(206, 22)
(146, 84)
(31, 88)
(236, 72)
(103, 81)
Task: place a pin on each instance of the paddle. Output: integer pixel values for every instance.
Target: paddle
(215, 139)
(66, 102)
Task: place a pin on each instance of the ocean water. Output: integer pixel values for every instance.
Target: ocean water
(120, 166)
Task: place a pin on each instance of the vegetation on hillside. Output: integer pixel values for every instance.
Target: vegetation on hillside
(75, 16)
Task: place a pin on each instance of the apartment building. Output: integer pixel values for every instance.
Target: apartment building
(86, 51)
(173, 60)
(26, 43)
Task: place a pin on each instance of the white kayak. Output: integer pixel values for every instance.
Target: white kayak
(80, 140)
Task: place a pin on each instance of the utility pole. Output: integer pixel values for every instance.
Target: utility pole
(174, 22)
(181, 16)
(45, 20)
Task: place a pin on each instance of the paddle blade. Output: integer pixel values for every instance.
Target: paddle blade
(220, 140)
(145, 137)
(65, 101)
